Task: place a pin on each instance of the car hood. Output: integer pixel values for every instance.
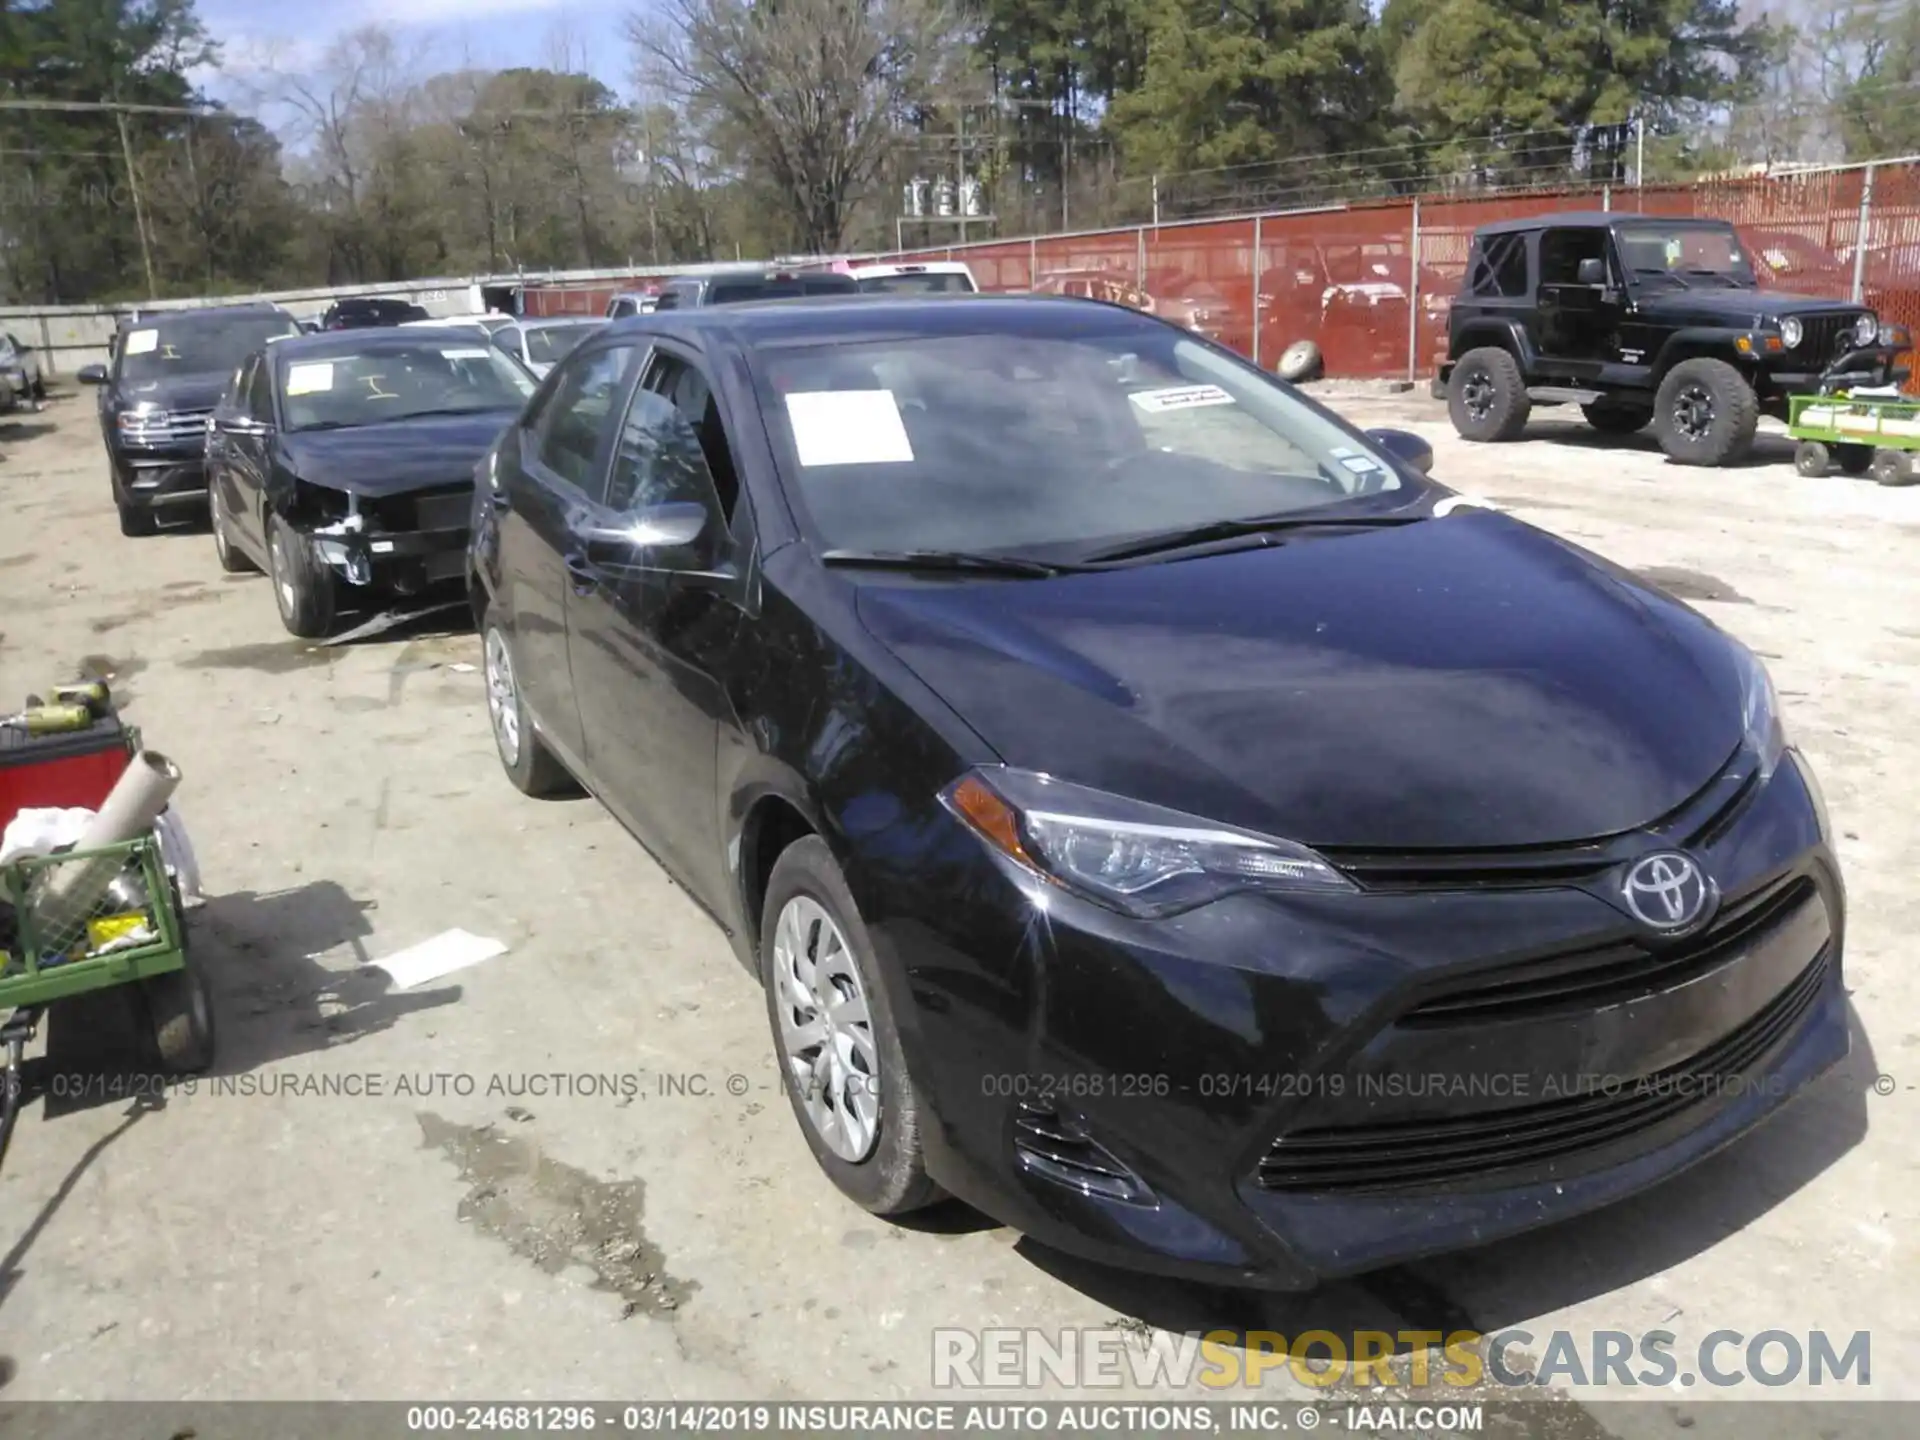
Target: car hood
(175, 392)
(1739, 307)
(396, 457)
(1458, 683)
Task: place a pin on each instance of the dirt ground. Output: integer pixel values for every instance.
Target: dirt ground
(468, 1213)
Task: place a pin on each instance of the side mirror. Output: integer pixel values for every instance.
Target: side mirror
(92, 375)
(660, 537)
(1593, 272)
(1406, 447)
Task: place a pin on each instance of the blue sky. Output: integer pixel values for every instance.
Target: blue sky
(257, 35)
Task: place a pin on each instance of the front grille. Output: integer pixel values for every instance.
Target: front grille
(1827, 337)
(448, 510)
(178, 427)
(1057, 1148)
(1603, 975)
(1415, 1155)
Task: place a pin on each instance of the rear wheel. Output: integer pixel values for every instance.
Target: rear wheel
(231, 558)
(1705, 413)
(1810, 458)
(180, 1016)
(1854, 459)
(1892, 467)
(531, 767)
(1611, 417)
(303, 586)
(1487, 396)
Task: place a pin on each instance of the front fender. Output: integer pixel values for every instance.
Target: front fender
(1696, 342)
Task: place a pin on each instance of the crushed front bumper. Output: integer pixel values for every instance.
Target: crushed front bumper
(399, 545)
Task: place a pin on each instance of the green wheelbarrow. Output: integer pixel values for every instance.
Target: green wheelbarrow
(1866, 433)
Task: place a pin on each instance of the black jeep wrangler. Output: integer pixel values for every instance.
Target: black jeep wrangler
(1640, 319)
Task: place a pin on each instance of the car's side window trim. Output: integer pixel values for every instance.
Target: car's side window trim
(531, 437)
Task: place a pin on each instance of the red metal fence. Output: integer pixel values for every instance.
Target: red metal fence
(1347, 278)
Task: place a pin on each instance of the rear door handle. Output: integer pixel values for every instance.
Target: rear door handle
(583, 575)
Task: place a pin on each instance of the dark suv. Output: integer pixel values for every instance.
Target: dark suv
(732, 287)
(168, 370)
(1640, 319)
(365, 312)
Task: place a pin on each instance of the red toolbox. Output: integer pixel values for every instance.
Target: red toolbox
(77, 768)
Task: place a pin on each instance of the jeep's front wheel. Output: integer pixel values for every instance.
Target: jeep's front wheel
(1705, 413)
(1612, 417)
(1487, 396)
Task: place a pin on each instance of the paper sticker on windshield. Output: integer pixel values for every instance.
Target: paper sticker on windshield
(1180, 397)
(1354, 460)
(848, 427)
(468, 352)
(311, 378)
(142, 342)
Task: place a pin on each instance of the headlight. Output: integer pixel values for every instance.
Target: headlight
(1791, 332)
(1866, 330)
(141, 419)
(1760, 713)
(1141, 859)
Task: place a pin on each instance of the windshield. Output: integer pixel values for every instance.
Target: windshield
(548, 343)
(729, 292)
(949, 282)
(1366, 265)
(1685, 255)
(435, 377)
(196, 345)
(996, 442)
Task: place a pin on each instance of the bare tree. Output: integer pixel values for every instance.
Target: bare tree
(808, 94)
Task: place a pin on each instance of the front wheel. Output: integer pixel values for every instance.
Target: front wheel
(1810, 458)
(837, 1043)
(1487, 396)
(303, 586)
(180, 1017)
(1705, 413)
(1892, 467)
(135, 519)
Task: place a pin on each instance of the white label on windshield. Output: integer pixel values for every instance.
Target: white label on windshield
(142, 342)
(1180, 397)
(311, 378)
(469, 352)
(848, 427)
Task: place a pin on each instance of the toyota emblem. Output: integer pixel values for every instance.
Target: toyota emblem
(1666, 891)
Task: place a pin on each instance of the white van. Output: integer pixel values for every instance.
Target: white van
(935, 277)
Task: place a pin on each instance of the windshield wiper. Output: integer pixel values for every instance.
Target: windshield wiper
(1675, 276)
(1731, 283)
(1233, 529)
(976, 562)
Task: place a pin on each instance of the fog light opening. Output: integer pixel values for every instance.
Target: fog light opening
(1058, 1149)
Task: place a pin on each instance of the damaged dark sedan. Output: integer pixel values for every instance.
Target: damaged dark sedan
(342, 465)
(1158, 813)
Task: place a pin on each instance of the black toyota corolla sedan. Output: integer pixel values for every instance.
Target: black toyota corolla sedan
(342, 464)
(1158, 813)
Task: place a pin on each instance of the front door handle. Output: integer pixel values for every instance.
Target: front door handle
(584, 577)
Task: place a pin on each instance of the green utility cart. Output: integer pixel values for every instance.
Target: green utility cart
(1873, 434)
(134, 937)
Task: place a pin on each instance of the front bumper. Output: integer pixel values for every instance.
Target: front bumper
(1312, 1088)
(156, 477)
(1864, 367)
(403, 545)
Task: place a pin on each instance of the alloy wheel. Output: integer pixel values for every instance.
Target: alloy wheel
(221, 545)
(283, 589)
(1476, 393)
(503, 706)
(826, 1029)
(1693, 411)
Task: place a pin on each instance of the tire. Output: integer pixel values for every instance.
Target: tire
(1705, 413)
(1610, 417)
(180, 1020)
(1300, 362)
(1892, 467)
(1487, 396)
(232, 559)
(1854, 459)
(533, 769)
(877, 1160)
(303, 586)
(1810, 458)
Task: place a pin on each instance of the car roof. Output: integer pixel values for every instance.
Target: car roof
(830, 319)
(146, 318)
(542, 322)
(1577, 219)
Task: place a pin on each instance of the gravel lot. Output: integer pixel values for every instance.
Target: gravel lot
(456, 1235)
